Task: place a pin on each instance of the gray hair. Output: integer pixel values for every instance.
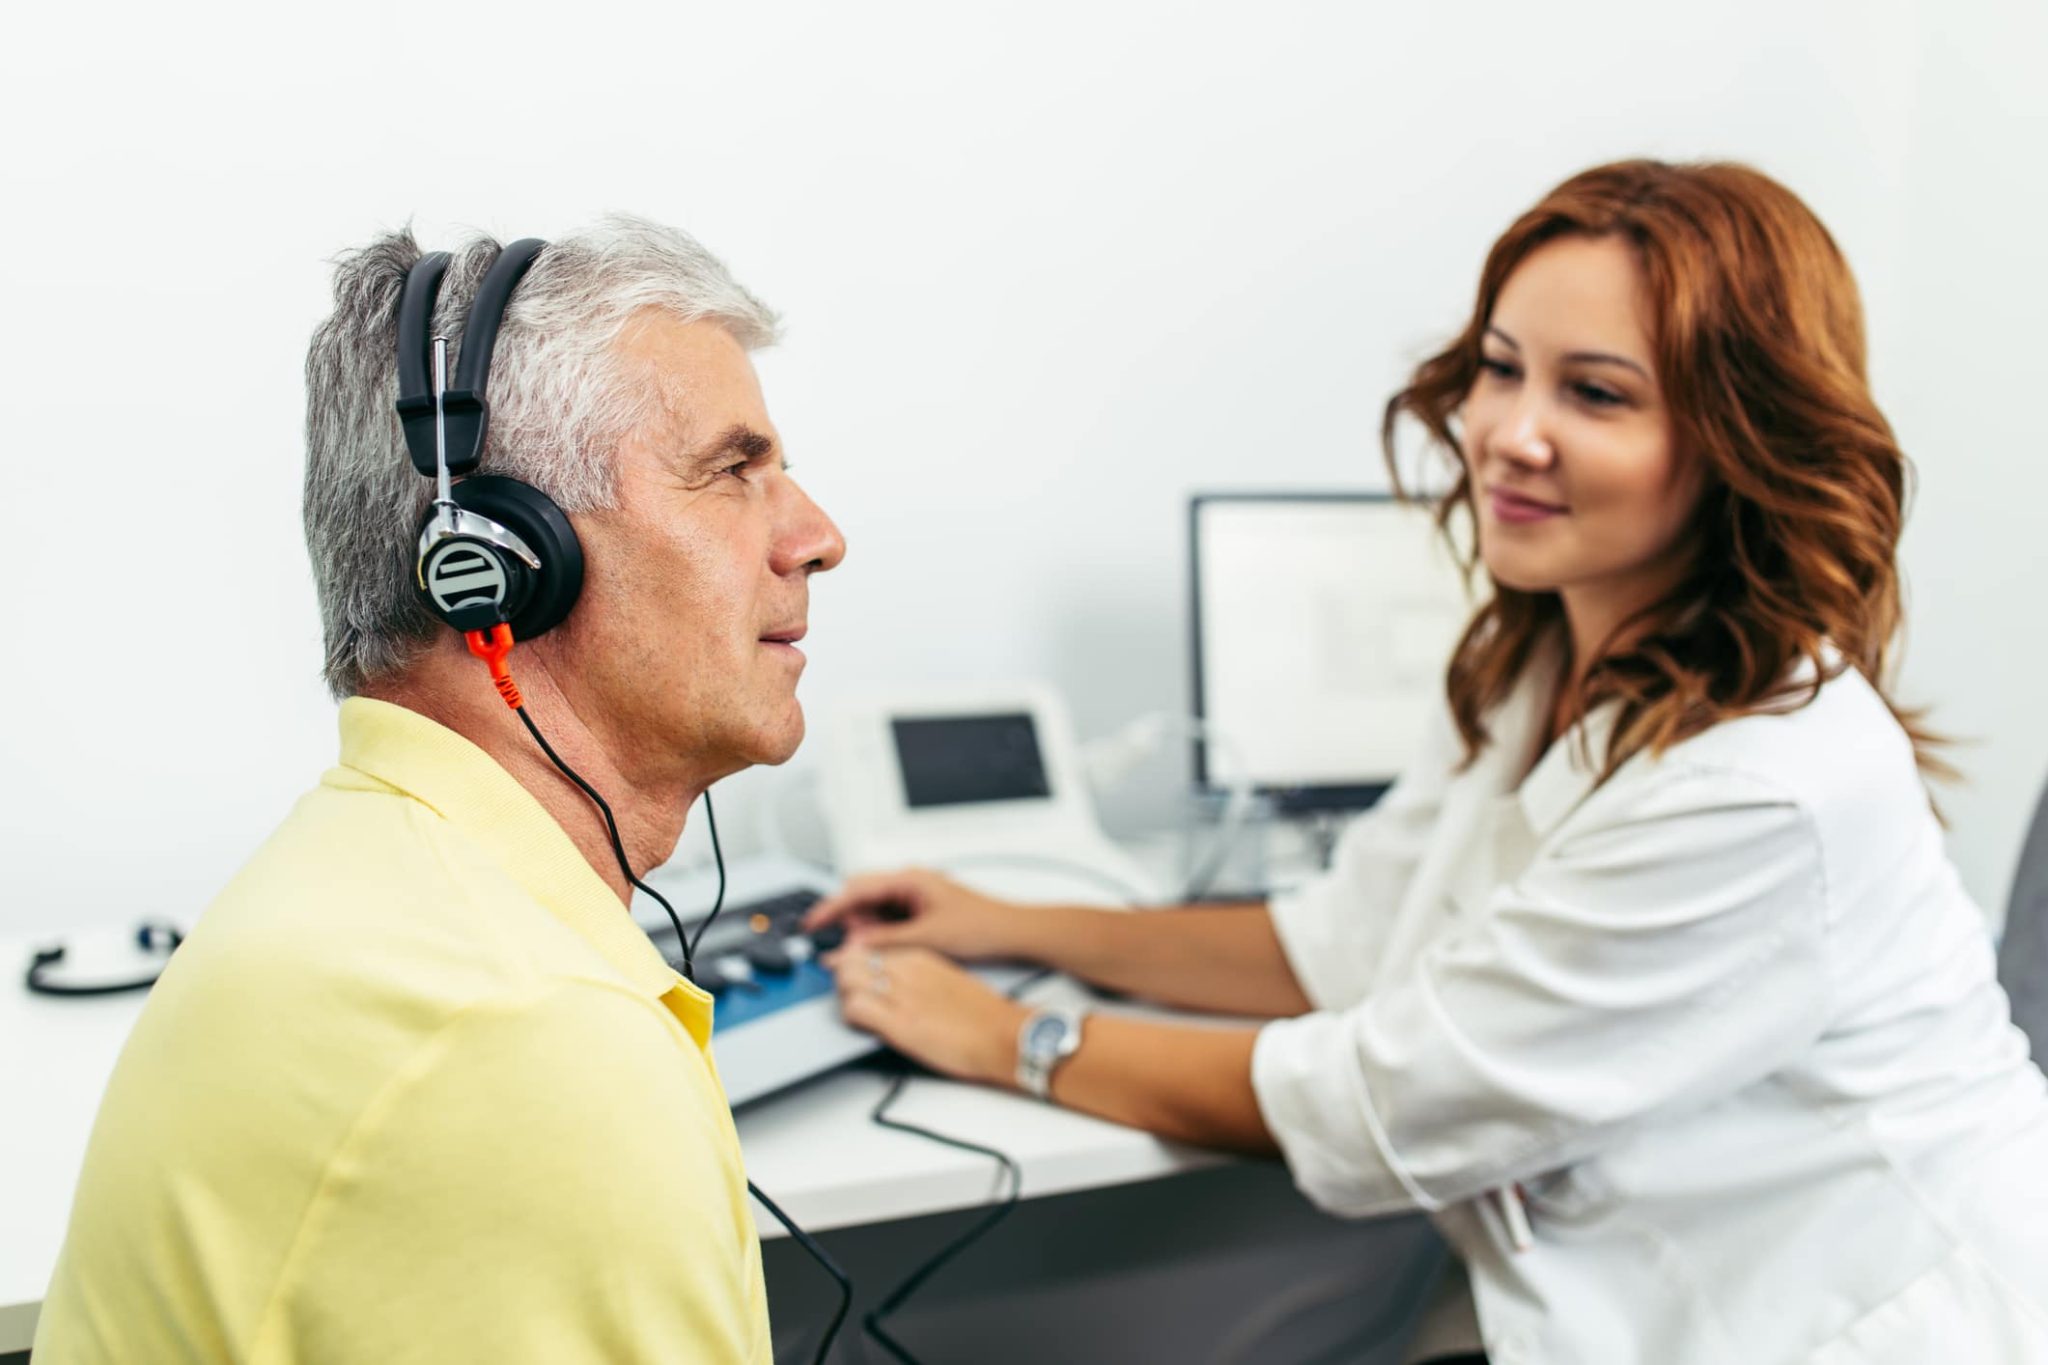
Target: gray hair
(560, 405)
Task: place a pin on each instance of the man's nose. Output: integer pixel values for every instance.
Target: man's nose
(810, 540)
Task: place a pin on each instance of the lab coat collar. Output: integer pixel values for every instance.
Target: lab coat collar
(1568, 771)
(1563, 775)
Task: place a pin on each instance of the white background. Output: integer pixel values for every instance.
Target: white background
(1047, 269)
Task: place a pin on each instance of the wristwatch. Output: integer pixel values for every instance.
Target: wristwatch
(1047, 1037)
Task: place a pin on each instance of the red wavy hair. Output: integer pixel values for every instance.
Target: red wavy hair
(1759, 346)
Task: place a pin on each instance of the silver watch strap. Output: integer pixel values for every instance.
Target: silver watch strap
(1035, 1065)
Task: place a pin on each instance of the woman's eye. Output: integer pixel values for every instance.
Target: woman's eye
(1499, 369)
(1598, 395)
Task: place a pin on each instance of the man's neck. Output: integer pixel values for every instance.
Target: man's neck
(455, 691)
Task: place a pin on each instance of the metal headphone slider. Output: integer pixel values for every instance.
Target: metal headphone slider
(452, 521)
(458, 523)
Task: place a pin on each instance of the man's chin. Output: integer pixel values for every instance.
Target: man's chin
(779, 742)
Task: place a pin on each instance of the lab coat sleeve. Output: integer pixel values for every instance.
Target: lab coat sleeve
(1666, 951)
(1333, 927)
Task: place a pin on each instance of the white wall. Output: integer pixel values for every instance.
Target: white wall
(1962, 381)
(1047, 268)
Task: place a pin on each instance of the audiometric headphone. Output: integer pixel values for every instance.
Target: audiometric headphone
(153, 936)
(493, 551)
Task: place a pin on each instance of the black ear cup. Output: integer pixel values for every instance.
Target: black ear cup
(471, 573)
(535, 601)
(152, 937)
(157, 936)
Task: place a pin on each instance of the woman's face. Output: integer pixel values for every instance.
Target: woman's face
(1575, 478)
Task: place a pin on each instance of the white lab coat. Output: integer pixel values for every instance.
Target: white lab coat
(1728, 1020)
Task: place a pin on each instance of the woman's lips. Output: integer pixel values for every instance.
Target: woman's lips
(1518, 510)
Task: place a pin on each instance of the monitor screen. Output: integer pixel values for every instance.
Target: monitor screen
(1322, 627)
(954, 760)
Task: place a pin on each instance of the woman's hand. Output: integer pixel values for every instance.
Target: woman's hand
(917, 907)
(930, 1010)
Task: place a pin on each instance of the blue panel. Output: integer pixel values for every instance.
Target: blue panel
(738, 1004)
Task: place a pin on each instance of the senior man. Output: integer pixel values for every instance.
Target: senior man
(416, 1088)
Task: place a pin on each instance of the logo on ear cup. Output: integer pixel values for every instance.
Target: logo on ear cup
(459, 573)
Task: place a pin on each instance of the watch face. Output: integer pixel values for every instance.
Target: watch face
(1045, 1034)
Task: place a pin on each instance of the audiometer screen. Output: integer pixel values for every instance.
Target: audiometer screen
(955, 760)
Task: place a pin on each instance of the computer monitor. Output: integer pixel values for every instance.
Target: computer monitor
(1322, 624)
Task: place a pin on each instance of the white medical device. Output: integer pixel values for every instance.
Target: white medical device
(984, 784)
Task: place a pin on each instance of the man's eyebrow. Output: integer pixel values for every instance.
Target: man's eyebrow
(737, 442)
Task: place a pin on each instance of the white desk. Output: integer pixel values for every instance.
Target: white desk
(815, 1153)
(55, 1057)
(812, 1149)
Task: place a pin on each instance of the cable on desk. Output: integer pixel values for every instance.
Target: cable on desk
(871, 1322)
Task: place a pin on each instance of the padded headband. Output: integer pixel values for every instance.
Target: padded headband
(466, 412)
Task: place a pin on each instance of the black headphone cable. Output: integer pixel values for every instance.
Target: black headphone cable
(611, 827)
(802, 1238)
(871, 1322)
(824, 1259)
(717, 904)
(492, 649)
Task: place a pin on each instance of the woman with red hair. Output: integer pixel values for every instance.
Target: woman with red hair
(1651, 979)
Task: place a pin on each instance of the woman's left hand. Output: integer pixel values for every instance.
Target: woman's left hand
(929, 1009)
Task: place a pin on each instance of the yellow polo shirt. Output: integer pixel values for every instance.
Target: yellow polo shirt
(415, 1089)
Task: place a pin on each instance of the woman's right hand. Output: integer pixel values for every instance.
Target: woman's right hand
(915, 906)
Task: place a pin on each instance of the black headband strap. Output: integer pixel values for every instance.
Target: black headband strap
(465, 412)
(415, 357)
(487, 312)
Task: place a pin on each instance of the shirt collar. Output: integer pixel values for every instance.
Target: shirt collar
(465, 786)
